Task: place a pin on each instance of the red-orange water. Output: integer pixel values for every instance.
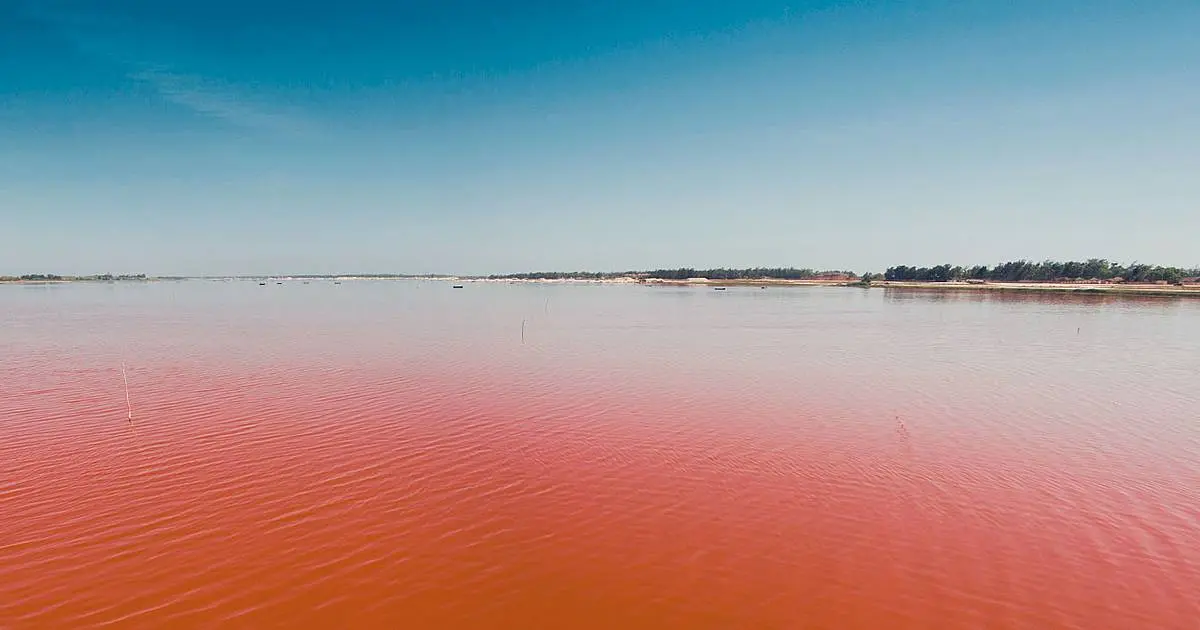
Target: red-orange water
(391, 455)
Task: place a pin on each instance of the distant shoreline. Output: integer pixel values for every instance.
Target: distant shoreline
(1192, 290)
(76, 281)
(1043, 287)
(93, 280)
(1081, 288)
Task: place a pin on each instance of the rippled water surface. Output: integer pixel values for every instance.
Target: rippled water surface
(393, 454)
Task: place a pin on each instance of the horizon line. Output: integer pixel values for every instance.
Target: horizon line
(812, 270)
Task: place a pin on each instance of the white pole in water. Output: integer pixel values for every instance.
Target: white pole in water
(128, 404)
(522, 332)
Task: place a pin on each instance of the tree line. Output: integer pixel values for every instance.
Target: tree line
(1094, 269)
(51, 277)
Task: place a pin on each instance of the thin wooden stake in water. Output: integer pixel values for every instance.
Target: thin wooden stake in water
(128, 404)
(522, 332)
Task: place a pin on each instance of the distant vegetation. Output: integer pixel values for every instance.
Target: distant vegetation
(50, 277)
(39, 276)
(1096, 269)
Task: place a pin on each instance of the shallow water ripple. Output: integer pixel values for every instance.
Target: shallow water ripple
(375, 454)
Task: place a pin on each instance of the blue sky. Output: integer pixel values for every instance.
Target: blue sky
(227, 137)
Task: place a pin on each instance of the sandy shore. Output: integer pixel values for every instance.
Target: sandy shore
(1090, 288)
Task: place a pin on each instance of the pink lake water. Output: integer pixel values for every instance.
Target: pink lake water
(392, 454)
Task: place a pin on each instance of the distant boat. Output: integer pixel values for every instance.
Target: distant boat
(457, 286)
(262, 284)
(718, 288)
(278, 283)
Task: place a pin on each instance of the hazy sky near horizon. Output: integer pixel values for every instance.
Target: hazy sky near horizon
(466, 136)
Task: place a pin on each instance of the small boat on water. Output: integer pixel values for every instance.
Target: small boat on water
(262, 284)
(457, 286)
(718, 288)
